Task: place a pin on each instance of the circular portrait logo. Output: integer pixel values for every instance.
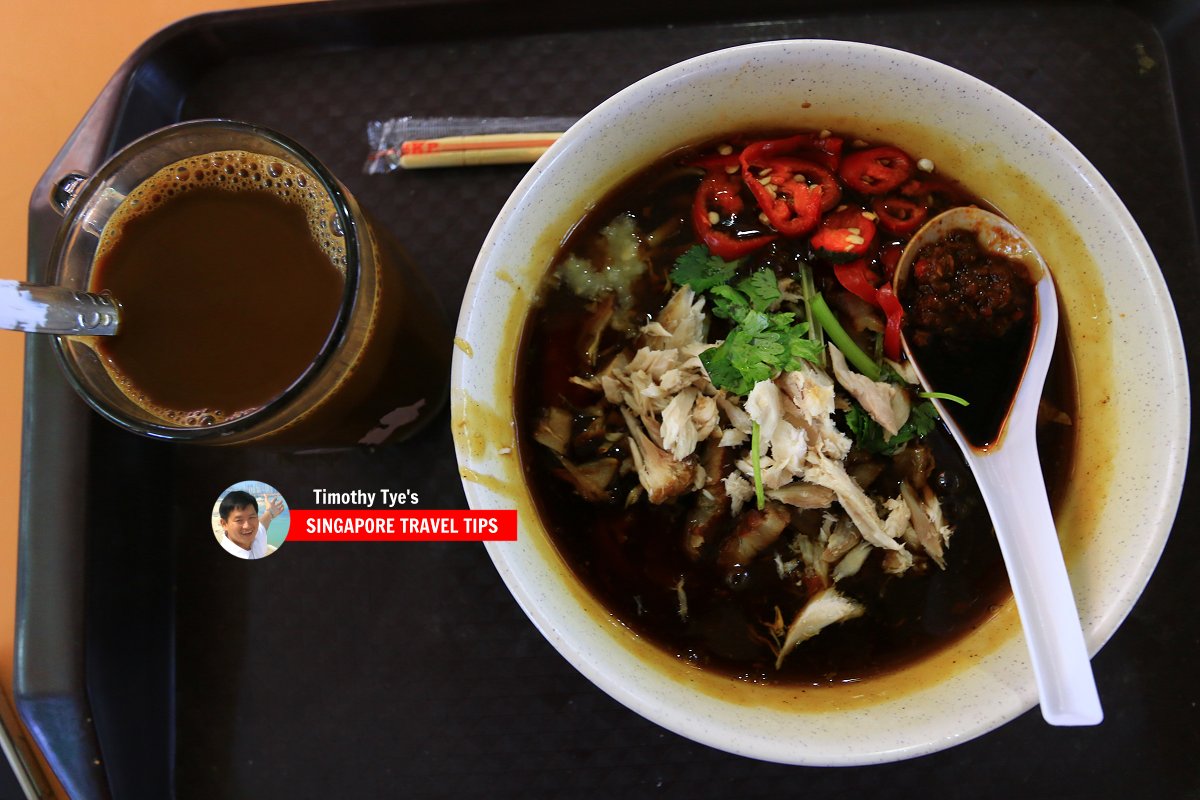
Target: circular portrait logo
(250, 519)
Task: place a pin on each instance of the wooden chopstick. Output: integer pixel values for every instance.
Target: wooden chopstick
(479, 149)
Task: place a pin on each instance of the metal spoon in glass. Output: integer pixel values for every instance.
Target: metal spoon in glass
(1009, 476)
(38, 308)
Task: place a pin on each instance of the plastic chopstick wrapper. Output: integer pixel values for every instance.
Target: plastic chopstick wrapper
(425, 142)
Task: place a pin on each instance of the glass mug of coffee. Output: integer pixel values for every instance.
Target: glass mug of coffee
(258, 302)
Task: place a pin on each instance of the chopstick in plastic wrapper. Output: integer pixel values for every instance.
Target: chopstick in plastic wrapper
(424, 142)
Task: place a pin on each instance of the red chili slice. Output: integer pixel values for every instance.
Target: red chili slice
(895, 319)
(857, 279)
(877, 170)
(899, 215)
(823, 150)
(826, 151)
(792, 192)
(845, 235)
(792, 207)
(786, 171)
(889, 257)
(721, 193)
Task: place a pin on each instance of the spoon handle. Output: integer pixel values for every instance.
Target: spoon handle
(36, 308)
(1025, 527)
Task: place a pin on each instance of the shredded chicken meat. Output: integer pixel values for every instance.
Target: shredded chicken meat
(886, 403)
(686, 439)
(827, 607)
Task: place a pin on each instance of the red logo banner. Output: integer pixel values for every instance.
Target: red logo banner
(402, 526)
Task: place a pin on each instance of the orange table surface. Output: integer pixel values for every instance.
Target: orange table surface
(55, 58)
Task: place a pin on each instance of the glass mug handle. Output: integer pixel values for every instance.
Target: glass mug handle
(64, 191)
(93, 218)
(40, 308)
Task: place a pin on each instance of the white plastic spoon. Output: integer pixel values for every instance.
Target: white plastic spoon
(1009, 476)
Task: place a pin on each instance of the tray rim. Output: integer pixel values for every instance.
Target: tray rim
(86, 146)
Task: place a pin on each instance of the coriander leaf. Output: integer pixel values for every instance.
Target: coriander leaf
(869, 436)
(760, 344)
(921, 420)
(799, 347)
(721, 371)
(759, 347)
(761, 288)
(889, 375)
(728, 303)
(747, 356)
(865, 432)
(754, 322)
(701, 270)
(785, 319)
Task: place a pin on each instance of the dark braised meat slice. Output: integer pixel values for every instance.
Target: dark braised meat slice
(590, 480)
(710, 512)
(755, 532)
(663, 476)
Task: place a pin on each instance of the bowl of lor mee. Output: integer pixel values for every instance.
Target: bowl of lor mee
(677, 358)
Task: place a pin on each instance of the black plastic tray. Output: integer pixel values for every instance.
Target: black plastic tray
(149, 664)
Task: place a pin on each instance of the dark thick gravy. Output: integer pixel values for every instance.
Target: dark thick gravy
(631, 559)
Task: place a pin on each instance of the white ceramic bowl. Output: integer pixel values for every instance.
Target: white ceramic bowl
(1120, 320)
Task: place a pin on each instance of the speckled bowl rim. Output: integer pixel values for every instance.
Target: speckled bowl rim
(825, 739)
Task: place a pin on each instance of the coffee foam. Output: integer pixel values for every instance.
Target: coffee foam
(234, 171)
(226, 170)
